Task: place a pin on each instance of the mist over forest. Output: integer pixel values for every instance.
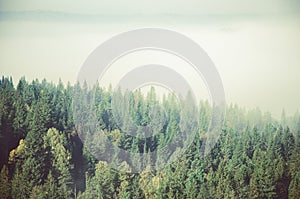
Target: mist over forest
(48, 148)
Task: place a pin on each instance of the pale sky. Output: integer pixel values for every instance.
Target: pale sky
(179, 7)
(255, 45)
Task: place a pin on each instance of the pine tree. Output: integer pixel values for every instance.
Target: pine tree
(7, 114)
(102, 184)
(5, 185)
(60, 158)
(51, 187)
(262, 183)
(294, 188)
(21, 185)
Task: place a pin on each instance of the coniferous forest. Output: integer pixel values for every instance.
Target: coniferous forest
(42, 154)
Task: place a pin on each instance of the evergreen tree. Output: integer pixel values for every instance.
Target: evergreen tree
(5, 185)
(60, 158)
(294, 188)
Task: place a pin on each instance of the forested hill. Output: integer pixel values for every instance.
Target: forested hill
(42, 155)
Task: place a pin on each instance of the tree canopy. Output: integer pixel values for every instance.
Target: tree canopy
(42, 154)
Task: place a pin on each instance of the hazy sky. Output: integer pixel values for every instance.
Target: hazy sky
(255, 45)
(179, 7)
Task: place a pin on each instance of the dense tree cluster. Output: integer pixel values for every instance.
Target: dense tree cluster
(42, 155)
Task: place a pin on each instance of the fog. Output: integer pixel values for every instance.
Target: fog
(256, 52)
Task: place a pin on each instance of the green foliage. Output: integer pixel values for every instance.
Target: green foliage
(295, 187)
(5, 185)
(42, 156)
(21, 185)
(60, 158)
(262, 183)
(7, 114)
(102, 184)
